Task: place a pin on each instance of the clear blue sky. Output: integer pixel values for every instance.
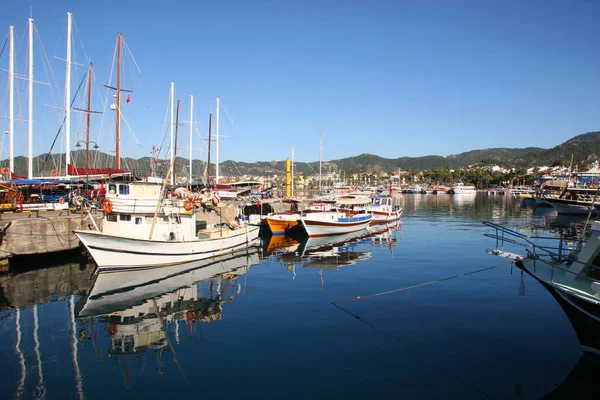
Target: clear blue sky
(392, 78)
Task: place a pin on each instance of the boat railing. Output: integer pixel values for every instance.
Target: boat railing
(558, 250)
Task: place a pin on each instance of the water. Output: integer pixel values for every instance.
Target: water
(282, 323)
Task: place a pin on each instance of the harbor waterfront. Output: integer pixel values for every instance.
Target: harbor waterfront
(417, 309)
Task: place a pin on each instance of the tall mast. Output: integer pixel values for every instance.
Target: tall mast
(118, 108)
(292, 171)
(320, 157)
(217, 155)
(176, 131)
(209, 140)
(11, 99)
(68, 95)
(172, 133)
(30, 106)
(88, 119)
(191, 130)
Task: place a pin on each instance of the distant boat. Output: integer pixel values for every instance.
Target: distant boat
(133, 238)
(461, 188)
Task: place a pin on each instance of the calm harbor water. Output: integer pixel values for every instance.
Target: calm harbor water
(285, 320)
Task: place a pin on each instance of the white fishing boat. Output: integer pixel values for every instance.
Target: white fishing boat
(137, 235)
(349, 216)
(384, 210)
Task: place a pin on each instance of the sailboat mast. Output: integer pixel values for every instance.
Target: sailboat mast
(118, 107)
(320, 158)
(217, 155)
(292, 171)
(11, 99)
(209, 140)
(172, 133)
(191, 131)
(88, 119)
(68, 95)
(30, 105)
(176, 131)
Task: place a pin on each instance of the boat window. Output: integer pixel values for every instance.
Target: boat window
(125, 217)
(112, 188)
(111, 217)
(138, 220)
(123, 189)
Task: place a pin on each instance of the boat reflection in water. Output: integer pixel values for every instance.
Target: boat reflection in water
(135, 308)
(330, 252)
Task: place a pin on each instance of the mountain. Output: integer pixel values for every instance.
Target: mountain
(585, 147)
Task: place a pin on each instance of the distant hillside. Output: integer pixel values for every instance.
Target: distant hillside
(582, 147)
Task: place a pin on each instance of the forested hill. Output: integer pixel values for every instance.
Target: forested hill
(584, 147)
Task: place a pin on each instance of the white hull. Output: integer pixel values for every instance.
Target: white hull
(326, 224)
(115, 252)
(385, 217)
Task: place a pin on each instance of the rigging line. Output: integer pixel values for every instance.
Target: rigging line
(81, 42)
(63, 121)
(411, 348)
(4, 45)
(230, 120)
(419, 285)
(131, 54)
(127, 123)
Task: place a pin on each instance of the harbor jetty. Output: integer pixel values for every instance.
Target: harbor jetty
(40, 232)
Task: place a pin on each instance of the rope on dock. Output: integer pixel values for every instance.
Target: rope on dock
(418, 285)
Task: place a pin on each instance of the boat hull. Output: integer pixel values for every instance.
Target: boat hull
(315, 228)
(572, 207)
(281, 224)
(114, 252)
(382, 217)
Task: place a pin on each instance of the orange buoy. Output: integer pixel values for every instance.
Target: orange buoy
(188, 204)
(107, 206)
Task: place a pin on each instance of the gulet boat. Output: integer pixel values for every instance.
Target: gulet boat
(141, 229)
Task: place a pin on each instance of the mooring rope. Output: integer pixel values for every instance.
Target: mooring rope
(397, 339)
(418, 285)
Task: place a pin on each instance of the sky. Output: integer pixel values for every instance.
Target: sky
(391, 78)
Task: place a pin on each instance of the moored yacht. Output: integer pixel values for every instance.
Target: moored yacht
(144, 229)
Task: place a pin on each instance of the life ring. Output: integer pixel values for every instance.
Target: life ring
(107, 206)
(112, 329)
(191, 316)
(61, 200)
(5, 170)
(54, 172)
(188, 204)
